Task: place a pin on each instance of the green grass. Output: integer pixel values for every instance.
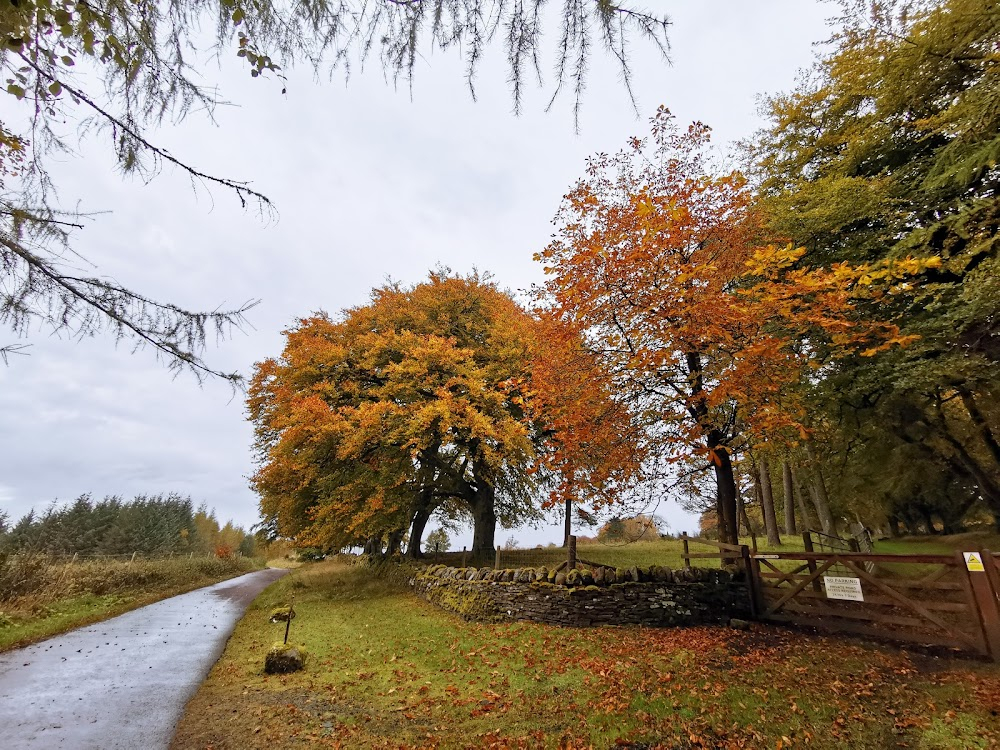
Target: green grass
(388, 670)
(55, 597)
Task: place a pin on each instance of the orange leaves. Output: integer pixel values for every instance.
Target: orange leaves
(360, 418)
(659, 264)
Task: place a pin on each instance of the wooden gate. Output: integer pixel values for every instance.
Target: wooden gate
(935, 600)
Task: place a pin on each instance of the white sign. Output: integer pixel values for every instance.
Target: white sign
(840, 587)
(768, 557)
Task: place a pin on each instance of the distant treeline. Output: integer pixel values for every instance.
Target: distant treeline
(149, 525)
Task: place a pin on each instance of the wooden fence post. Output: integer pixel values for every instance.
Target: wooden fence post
(807, 542)
(753, 587)
(986, 599)
(571, 562)
(133, 558)
(496, 563)
(687, 551)
(463, 557)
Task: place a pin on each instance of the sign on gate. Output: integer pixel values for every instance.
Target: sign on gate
(841, 587)
(974, 562)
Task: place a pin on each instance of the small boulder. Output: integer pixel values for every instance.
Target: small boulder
(284, 658)
(560, 579)
(738, 624)
(282, 614)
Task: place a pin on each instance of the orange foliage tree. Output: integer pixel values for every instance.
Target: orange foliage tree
(594, 448)
(703, 331)
(420, 401)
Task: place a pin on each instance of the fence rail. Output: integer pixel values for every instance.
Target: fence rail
(949, 601)
(935, 600)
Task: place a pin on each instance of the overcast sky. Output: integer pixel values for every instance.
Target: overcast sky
(370, 182)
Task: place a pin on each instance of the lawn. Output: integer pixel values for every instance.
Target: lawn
(388, 670)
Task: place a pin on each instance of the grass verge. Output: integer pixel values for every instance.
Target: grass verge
(388, 670)
(53, 598)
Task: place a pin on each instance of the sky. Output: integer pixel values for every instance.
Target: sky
(370, 182)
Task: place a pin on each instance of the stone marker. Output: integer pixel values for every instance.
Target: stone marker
(284, 658)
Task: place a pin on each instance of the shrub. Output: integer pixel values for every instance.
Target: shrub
(311, 554)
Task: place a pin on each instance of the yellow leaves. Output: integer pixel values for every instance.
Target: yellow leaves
(352, 409)
(765, 261)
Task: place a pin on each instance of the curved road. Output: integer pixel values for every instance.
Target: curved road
(122, 683)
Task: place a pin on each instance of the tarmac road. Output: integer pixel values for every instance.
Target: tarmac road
(121, 684)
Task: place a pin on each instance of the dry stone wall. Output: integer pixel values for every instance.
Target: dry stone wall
(656, 597)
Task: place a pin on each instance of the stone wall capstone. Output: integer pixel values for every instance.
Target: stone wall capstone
(656, 597)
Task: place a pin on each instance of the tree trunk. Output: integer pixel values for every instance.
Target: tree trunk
(767, 504)
(392, 545)
(925, 516)
(741, 510)
(725, 489)
(800, 500)
(819, 495)
(786, 475)
(420, 519)
(893, 521)
(981, 425)
(817, 492)
(484, 516)
(569, 522)
(484, 520)
(373, 545)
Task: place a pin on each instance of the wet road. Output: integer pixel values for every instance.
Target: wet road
(121, 683)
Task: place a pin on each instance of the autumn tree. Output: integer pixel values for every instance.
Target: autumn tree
(889, 148)
(415, 402)
(640, 527)
(127, 67)
(658, 259)
(438, 540)
(595, 453)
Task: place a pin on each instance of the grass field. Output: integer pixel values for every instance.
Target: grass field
(388, 670)
(41, 598)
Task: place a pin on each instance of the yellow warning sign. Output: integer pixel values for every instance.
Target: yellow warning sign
(973, 563)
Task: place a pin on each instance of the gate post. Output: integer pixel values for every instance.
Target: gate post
(753, 583)
(984, 590)
(571, 560)
(807, 543)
